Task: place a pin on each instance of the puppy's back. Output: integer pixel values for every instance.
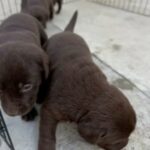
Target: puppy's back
(23, 27)
(19, 21)
(66, 45)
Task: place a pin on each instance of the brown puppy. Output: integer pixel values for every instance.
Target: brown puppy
(80, 92)
(43, 10)
(23, 64)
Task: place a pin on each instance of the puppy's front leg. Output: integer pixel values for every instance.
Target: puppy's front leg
(47, 139)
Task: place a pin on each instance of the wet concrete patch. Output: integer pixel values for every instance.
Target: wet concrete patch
(116, 47)
(123, 84)
(111, 39)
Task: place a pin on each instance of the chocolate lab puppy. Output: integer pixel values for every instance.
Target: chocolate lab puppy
(80, 92)
(43, 10)
(23, 64)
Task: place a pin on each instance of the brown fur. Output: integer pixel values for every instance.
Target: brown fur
(79, 92)
(43, 10)
(23, 64)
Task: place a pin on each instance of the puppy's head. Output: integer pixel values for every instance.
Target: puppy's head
(118, 120)
(40, 13)
(22, 69)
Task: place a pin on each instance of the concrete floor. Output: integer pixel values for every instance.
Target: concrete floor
(120, 45)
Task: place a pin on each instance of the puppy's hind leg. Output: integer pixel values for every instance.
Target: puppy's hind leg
(30, 116)
(43, 35)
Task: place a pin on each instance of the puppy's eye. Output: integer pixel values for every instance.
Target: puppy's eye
(27, 87)
(103, 132)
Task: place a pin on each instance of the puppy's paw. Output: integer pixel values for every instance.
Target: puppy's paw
(31, 115)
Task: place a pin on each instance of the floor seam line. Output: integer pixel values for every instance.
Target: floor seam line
(104, 63)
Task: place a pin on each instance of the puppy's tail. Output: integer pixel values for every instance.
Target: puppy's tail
(71, 25)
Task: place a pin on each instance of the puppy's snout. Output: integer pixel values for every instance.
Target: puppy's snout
(19, 106)
(12, 108)
(11, 111)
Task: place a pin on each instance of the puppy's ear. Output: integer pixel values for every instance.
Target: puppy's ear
(45, 65)
(43, 35)
(103, 132)
(43, 62)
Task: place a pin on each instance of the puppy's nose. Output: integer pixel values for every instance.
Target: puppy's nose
(12, 112)
(19, 106)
